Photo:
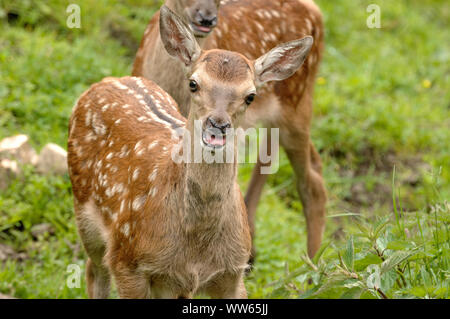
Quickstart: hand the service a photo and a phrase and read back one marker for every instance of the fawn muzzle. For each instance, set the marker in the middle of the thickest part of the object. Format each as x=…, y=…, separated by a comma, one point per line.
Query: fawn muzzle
x=204, y=21
x=215, y=132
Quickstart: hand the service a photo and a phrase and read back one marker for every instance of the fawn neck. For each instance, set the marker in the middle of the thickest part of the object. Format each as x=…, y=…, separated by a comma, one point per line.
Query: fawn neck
x=209, y=187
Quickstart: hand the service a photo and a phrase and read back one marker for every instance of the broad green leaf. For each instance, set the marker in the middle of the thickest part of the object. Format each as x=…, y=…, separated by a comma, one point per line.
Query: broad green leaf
x=334, y=280
x=315, y=278
x=374, y=279
x=388, y=280
x=399, y=245
x=355, y=284
x=395, y=259
x=382, y=243
x=353, y=293
x=302, y=278
x=417, y=292
x=441, y=292
x=368, y=259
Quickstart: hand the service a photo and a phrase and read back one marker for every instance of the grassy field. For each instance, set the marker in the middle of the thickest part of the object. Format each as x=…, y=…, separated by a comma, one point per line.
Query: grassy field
x=382, y=126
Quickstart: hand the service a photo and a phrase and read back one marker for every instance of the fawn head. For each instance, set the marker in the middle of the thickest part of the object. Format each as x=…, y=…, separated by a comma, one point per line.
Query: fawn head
x=201, y=15
x=222, y=83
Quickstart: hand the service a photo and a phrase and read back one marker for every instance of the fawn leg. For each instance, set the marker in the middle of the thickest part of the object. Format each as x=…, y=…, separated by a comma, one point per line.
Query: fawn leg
x=311, y=189
x=228, y=286
x=98, y=280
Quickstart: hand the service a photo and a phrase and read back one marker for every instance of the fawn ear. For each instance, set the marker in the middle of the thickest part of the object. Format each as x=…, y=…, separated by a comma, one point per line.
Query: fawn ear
x=282, y=61
x=177, y=37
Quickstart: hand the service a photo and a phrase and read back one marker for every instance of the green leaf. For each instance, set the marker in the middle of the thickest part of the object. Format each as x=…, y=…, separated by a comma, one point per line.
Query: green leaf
x=417, y=292
x=365, y=231
x=349, y=254
x=368, y=259
x=388, y=280
x=425, y=277
x=353, y=293
x=280, y=293
x=395, y=259
x=399, y=245
x=380, y=226
x=355, y=284
x=382, y=243
x=335, y=280
x=320, y=252
x=374, y=278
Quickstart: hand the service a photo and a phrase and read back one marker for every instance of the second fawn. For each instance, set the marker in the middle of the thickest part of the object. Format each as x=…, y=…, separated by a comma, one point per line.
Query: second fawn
x=253, y=27
x=164, y=229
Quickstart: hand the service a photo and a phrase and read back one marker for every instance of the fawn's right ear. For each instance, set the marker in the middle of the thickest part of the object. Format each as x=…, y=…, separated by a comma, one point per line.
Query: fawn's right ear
x=177, y=37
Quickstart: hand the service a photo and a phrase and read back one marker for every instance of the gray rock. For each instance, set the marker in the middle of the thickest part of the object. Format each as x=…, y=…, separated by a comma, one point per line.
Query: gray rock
x=52, y=160
x=41, y=229
x=9, y=170
x=18, y=148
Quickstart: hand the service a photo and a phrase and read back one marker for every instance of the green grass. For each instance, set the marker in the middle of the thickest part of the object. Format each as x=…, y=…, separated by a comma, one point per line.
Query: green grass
x=382, y=101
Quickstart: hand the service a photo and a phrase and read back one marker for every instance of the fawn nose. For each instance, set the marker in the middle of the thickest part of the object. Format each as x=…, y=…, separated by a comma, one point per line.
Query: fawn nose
x=219, y=124
x=206, y=19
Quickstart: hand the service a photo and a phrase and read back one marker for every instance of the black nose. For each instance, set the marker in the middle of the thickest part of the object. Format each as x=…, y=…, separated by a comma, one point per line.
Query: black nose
x=222, y=126
x=206, y=20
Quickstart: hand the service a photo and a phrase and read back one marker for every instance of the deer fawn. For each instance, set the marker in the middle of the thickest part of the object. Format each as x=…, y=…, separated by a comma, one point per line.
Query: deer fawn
x=165, y=229
x=252, y=27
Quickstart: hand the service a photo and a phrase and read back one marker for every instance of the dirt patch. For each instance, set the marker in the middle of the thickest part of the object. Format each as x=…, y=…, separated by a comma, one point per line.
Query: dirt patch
x=366, y=183
x=373, y=180
x=8, y=253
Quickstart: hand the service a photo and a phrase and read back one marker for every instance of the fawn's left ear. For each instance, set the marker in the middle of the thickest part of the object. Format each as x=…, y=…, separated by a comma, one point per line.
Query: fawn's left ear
x=282, y=61
x=177, y=37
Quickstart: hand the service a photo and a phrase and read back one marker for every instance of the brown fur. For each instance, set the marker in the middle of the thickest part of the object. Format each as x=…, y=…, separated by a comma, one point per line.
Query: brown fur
x=158, y=227
x=226, y=67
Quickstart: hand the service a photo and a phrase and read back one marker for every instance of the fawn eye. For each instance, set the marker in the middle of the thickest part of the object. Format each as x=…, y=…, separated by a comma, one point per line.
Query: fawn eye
x=193, y=86
x=249, y=99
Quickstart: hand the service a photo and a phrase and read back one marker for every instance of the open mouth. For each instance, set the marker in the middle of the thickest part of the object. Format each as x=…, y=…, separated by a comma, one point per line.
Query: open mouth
x=214, y=140
x=201, y=30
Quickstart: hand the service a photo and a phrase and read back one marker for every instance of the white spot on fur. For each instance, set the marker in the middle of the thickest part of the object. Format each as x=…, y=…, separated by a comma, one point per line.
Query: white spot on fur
x=126, y=229
x=153, y=175
x=138, y=202
x=135, y=174
x=88, y=117
x=117, y=188
x=152, y=145
x=153, y=192
x=124, y=151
